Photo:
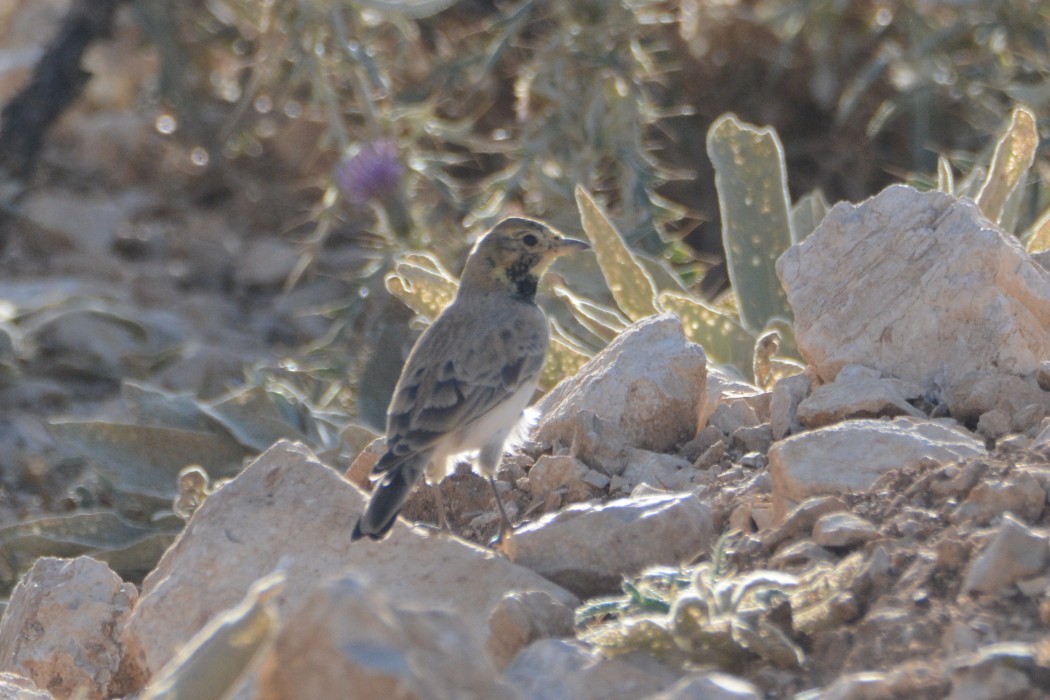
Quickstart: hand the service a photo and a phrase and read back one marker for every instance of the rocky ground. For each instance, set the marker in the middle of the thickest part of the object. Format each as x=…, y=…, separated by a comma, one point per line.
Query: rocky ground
x=894, y=494
x=889, y=502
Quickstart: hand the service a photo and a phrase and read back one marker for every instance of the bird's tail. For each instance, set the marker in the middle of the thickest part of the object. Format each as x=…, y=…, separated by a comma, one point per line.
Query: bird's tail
x=388, y=497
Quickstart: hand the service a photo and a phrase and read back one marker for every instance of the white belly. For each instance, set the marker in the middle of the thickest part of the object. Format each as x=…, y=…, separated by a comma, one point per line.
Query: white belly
x=495, y=425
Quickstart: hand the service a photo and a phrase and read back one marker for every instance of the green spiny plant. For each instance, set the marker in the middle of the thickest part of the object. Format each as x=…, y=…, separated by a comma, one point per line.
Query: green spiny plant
x=705, y=614
x=640, y=286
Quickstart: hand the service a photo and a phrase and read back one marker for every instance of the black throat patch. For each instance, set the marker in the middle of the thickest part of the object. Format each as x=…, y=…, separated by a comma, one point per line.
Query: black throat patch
x=525, y=287
x=521, y=277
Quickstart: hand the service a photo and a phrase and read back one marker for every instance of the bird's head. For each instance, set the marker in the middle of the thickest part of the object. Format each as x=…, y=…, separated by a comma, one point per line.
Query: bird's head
x=513, y=256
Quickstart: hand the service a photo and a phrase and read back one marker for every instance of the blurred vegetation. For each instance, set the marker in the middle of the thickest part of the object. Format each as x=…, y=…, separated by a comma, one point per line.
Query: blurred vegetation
x=497, y=106
x=667, y=131
x=594, y=93
x=438, y=117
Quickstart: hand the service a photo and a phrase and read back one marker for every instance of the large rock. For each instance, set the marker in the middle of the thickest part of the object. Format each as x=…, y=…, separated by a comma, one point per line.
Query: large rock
x=1000, y=671
x=522, y=618
x=62, y=627
x=852, y=455
x=288, y=509
x=1021, y=494
x=919, y=286
x=724, y=386
x=552, y=472
x=660, y=471
x=857, y=396
x=346, y=639
x=865, y=685
x=648, y=385
x=710, y=685
x=1015, y=553
x=787, y=395
x=14, y=687
x=982, y=392
x=843, y=530
x=554, y=669
x=590, y=548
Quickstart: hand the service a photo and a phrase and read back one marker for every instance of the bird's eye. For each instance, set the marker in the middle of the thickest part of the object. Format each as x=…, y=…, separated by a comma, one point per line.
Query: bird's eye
x=530, y=239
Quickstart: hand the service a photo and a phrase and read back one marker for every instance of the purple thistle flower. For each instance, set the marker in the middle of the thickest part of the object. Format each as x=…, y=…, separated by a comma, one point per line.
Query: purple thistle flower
x=373, y=172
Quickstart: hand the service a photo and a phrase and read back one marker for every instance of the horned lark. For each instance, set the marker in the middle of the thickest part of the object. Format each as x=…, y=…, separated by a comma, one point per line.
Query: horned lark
x=471, y=374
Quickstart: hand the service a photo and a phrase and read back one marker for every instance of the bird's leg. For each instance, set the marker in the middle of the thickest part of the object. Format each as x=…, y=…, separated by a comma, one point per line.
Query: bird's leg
x=488, y=460
x=440, y=505
x=505, y=528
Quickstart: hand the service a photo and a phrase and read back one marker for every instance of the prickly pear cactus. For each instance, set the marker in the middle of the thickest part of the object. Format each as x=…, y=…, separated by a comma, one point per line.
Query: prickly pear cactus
x=756, y=215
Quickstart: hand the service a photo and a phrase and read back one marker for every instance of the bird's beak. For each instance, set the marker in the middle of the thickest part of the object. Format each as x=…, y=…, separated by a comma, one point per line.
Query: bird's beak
x=563, y=246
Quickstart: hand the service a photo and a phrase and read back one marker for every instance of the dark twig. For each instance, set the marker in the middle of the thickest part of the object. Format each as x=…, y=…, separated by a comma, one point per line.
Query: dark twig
x=56, y=82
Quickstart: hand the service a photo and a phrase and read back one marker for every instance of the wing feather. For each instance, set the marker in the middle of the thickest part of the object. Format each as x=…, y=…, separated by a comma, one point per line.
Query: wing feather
x=463, y=366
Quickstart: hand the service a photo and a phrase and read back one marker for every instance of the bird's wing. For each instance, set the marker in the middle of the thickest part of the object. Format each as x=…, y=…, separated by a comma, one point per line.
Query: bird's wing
x=461, y=369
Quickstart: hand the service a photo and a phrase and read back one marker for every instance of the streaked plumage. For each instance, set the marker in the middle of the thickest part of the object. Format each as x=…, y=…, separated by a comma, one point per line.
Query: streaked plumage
x=471, y=374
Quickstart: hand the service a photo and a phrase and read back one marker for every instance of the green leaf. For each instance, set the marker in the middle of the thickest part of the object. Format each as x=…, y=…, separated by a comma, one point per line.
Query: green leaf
x=147, y=459
x=562, y=362
x=152, y=406
x=421, y=284
x=630, y=284
x=599, y=607
x=10, y=350
x=661, y=274
x=1014, y=154
x=99, y=342
x=380, y=374
x=600, y=320
x=788, y=346
x=807, y=214
x=253, y=417
x=945, y=176
x=770, y=643
x=91, y=530
x=756, y=581
x=722, y=337
x=67, y=536
x=134, y=560
x=1037, y=239
x=751, y=179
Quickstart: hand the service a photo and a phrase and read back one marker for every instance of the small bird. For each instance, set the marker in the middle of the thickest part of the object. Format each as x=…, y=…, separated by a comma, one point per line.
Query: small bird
x=471, y=374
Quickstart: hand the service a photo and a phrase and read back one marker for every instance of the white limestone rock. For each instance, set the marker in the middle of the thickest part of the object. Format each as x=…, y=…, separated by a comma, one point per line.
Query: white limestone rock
x=649, y=385
x=918, y=285
x=711, y=685
x=62, y=627
x=788, y=394
x=554, y=669
x=852, y=455
x=843, y=530
x=858, y=397
x=589, y=548
x=1016, y=552
x=346, y=636
x=287, y=509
